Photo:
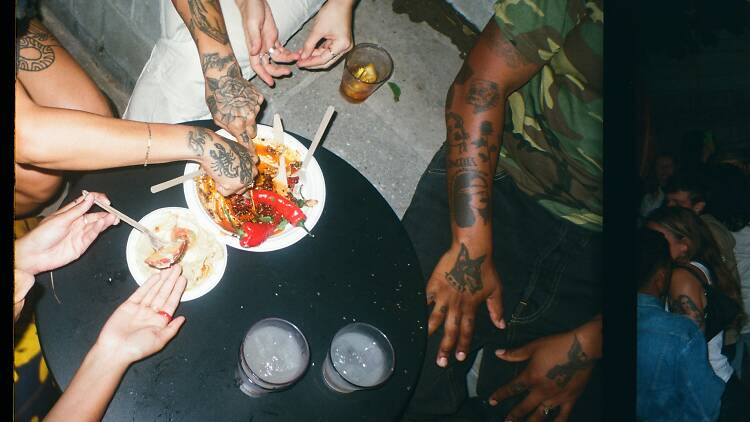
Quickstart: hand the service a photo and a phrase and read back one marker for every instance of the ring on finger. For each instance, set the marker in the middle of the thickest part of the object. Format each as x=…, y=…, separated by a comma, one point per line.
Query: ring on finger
x=271, y=51
x=85, y=221
x=166, y=315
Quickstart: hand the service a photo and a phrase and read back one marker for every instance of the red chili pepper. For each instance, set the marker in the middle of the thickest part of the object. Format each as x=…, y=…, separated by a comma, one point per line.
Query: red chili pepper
x=281, y=205
x=253, y=234
x=291, y=181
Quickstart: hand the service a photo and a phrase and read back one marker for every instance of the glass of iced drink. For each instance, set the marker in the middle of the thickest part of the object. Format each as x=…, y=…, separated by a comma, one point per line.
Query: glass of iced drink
x=366, y=68
x=273, y=355
x=361, y=357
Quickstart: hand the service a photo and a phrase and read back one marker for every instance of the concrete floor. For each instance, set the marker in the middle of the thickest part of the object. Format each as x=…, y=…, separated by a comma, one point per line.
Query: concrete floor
x=389, y=142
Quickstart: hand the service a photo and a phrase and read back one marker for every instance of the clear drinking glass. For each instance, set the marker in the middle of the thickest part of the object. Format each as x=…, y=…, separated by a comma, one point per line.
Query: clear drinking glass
x=366, y=67
x=361, y=357
x=273, y=355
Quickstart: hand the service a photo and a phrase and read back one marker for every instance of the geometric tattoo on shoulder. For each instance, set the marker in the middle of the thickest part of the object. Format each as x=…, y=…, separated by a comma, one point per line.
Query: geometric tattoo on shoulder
x=466, y=274
x=32, y=55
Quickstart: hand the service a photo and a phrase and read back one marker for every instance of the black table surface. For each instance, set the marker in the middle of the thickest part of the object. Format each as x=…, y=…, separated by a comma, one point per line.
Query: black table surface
x=360, y=266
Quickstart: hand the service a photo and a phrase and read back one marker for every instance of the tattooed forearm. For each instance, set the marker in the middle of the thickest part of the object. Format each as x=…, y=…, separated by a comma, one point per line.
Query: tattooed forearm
x=210, y=22
x=483, y=95
x=469, y=196
x=197, y=140
x=215, y=61
x=457, y=136
x=466, y=274
x=34, y=50
x=682, y=304
x=577, y=360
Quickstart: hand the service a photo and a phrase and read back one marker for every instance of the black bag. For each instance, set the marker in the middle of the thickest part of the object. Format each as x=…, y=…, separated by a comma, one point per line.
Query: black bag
x=720, y=309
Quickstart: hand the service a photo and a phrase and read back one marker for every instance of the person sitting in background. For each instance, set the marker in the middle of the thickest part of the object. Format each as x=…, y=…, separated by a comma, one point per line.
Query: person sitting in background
x=63, y=122
x=663, y=168
x=674, y=381
x=245, y=36
x=693, y=248
x=138, y=328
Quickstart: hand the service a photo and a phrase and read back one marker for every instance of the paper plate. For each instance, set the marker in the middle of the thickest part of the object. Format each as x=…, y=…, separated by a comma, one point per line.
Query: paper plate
x=311, y=184
x=136, y=252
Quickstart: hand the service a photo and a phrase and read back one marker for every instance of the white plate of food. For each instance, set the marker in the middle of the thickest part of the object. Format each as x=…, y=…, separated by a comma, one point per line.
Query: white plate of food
x=203, y=261
x=226, y=216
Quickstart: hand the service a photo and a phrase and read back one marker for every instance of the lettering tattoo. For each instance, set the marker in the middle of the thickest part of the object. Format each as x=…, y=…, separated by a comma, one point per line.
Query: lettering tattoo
x=470, y=197
x=461, y=162
x=577, y=360
x=457, y=135
x=483, y=95
x=197, y=140
x=208, y=22
x=684, y=305
x=34, y=51
x=466, y=274
x=215, y=61
x=231, y=97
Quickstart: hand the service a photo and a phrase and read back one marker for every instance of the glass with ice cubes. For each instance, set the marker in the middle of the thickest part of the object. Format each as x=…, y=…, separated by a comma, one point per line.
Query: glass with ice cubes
x=361, y=357
x=273, y=355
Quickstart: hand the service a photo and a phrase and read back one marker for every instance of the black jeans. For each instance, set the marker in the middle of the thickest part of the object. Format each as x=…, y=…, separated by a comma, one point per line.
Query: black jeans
x=552, y=282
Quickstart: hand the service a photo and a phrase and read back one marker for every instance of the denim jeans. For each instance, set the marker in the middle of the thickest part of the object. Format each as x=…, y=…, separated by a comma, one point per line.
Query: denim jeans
x=552, y=282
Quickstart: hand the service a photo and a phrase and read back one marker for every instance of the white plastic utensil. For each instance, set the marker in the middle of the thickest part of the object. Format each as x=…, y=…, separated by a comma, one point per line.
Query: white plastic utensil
x=155, y=241
x=318, y=135
x=174, y=182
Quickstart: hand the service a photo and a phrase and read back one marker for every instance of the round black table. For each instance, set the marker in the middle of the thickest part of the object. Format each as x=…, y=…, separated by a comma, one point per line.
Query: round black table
x=360, y=266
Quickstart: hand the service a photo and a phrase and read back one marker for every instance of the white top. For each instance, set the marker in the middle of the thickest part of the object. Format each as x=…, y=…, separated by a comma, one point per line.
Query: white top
x=170, y=88
x=742, y=256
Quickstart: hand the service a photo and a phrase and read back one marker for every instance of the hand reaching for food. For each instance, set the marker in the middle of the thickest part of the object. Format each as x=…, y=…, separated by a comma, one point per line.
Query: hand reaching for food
x=63, y=236
x=232, y=165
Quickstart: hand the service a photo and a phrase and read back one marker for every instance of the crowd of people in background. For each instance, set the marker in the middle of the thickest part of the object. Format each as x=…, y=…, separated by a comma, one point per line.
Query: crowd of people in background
x=698, y=201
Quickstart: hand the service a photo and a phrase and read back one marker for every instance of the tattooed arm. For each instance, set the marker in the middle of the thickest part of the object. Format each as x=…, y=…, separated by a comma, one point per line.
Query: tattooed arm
x=557, y=372
x=465, y=275
x=686, y=296
x=233, y=101
x=60, y=139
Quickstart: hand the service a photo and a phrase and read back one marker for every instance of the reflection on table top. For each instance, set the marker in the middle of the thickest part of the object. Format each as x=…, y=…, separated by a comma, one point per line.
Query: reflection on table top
x=360, y=266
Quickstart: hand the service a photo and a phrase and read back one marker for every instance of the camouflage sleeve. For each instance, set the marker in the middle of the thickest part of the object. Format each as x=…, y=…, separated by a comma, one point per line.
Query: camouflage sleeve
x=537, y=28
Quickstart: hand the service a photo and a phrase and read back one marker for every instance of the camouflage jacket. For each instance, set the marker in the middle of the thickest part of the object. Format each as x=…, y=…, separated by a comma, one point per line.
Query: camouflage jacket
x=552, y=140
